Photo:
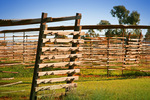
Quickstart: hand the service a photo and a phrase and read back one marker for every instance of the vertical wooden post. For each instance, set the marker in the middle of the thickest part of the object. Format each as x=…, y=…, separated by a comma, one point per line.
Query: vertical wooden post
x=39, y=51
x=76, y=28
x=126, y=47
x=91, y=51
x=123, y=51
x=13, y=46
x=139, y=43
x=108, y=41
x=23, y=47
x=4, y=44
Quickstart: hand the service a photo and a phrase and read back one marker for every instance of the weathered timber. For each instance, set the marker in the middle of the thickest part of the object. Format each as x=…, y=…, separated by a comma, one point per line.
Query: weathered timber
x=62, y=49
x=83, y=27
x=7, y=78
x=59, y=64
x=63, y=40
x=8, y=72
x=53, y=87
x=11, y=84
x=60, y=56
x=70, y=71
x=13, y=22
x=52, y=80
x=63, y=33
x=33, y=92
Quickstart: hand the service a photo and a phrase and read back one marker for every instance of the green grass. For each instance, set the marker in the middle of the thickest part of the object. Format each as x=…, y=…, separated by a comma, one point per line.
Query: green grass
x=92, y=85
x=121, y=89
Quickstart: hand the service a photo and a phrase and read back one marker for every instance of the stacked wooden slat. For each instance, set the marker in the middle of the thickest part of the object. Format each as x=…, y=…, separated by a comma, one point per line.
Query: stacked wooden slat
x=102, y=49
x=112, y=53
x=18, y=46
x=115, y=53
x=94, y=53
x=57, y=56
x=52, y=53
x=132, y=51
x=145, y=55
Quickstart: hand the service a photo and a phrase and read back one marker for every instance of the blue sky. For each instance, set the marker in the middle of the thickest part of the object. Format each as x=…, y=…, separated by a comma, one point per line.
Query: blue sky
x=92, y=10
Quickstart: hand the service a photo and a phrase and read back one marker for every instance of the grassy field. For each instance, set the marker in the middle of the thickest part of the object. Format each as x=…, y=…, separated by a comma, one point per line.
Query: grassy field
x=92, y=85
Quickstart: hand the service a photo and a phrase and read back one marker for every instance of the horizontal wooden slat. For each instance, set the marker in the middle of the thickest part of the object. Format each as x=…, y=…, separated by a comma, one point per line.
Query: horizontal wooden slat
x=115, y=61
x=44, y=73
x=62, y=48
x=53, y=87
x=63, y=33
x=135, y=40
x=10, y=84
x=116, y=53
x=138, y=49
x=59, y=64
x=114, y=64
x=134, y=52
x=133, y=45
x=131, y=59
x=60, y=56
x=52, y=80
x=130, y=65
x=64, y=40
x=93, y=40
x=12, y=22
x=65, y=18
x=58, y=45
x=83, y=27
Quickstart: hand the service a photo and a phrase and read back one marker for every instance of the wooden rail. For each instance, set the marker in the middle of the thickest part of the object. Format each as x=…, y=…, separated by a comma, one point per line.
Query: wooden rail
x=84, y=27
x=14, y=22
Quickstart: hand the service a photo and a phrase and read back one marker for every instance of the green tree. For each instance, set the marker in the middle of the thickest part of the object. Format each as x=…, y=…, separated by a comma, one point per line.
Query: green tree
x=104, y=22
x=147, y=36
x=125, y=17
x=90, y=33
x=133, y=18
x=121, y=13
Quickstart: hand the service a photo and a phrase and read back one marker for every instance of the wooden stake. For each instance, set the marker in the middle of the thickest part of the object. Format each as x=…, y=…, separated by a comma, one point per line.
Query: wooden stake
x=108, y=55
x=33, y=93
x=23, y=46
x=123, y=50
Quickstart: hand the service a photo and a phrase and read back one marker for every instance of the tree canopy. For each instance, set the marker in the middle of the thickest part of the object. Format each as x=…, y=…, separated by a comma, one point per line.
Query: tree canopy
x=124, y=16
x=147, y=36
x=121, y=13
x=104, y=22
x=133, y=18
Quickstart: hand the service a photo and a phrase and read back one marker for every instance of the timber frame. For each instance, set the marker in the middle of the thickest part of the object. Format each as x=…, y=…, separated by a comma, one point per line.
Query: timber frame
x=73, y=57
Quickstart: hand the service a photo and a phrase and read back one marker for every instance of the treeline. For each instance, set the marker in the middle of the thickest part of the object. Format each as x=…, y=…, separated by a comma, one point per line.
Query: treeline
x=124, y=18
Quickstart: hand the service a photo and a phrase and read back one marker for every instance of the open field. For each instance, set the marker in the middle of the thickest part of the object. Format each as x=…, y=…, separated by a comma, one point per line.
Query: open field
x=92, y=84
